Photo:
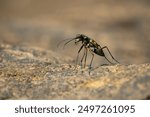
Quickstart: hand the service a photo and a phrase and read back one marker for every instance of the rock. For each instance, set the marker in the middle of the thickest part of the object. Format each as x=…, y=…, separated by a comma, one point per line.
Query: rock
x=33, y=73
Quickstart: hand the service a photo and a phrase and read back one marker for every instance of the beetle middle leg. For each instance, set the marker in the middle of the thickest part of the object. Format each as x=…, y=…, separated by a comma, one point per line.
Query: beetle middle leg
x=85, y=57
x=82, y=57
x=91, y=59
x=78, y=55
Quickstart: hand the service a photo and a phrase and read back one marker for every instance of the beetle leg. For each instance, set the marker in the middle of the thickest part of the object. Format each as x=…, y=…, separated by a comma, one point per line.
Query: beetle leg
x=109, y=53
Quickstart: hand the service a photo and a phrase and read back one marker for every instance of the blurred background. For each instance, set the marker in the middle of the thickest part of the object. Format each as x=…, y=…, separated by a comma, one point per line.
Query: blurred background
x=121, y=25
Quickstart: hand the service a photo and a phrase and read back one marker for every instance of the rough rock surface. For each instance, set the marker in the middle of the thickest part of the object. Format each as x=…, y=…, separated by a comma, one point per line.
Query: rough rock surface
x=33, y=73
x=32, y=67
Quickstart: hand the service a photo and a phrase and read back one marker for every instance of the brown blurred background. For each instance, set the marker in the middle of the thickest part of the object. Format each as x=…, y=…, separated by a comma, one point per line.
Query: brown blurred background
x=122, y=25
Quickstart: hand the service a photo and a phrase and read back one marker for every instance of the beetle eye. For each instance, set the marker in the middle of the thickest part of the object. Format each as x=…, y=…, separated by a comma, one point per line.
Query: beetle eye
x=77, y=40
x=85, y=37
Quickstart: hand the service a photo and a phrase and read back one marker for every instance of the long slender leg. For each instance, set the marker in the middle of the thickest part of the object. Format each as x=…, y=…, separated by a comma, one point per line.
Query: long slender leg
x=109, y=53
x=91, y=59
x=85, y=57
x=108, y=60
x=78, y=53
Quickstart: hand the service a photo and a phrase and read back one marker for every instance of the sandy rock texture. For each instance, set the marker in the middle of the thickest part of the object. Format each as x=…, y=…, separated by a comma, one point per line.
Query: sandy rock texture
x=33, y=67
x=34, y=73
